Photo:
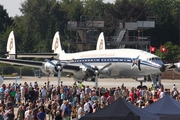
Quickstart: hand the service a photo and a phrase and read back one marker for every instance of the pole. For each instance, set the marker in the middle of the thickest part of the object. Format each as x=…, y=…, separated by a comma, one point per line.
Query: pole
x=39, y=74
x=2, y=71
x=20, y=72
x=179, y=24
x=16, y=81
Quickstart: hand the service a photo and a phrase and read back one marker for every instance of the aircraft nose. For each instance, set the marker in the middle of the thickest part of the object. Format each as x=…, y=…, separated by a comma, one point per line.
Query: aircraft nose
x=162, y=68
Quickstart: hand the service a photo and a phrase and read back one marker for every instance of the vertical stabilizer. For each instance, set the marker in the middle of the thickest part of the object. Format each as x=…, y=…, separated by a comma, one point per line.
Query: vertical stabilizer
x=11, y=47
x=101, y=42
x=56, y=44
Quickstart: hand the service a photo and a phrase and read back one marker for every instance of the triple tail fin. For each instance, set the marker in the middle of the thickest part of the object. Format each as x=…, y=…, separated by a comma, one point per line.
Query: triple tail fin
x=56, y=44
x=101, y=42
x=11, y=46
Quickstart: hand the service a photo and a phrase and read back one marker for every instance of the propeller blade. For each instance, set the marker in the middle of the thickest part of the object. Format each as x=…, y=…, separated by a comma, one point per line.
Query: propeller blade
x=47, y=60
x=96, y=81
x=88, y=67
x=170, y=66
x=139, y=67
x=105, y=66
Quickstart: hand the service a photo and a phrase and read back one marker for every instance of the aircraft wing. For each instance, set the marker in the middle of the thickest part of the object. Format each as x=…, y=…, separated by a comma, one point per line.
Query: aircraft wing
x=29, y=63
x=35, y=55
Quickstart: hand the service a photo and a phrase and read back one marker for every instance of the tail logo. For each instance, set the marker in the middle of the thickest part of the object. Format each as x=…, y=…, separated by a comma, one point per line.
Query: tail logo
x=11, y=44
x=56, y=44
x=101, y=45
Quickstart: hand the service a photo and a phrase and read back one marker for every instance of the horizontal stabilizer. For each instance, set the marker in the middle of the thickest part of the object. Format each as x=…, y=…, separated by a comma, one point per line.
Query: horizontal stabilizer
x=36, y=55
x=29, y=63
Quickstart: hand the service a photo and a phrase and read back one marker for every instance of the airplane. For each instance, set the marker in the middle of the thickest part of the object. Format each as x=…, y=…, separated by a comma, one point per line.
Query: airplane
x=89, y=65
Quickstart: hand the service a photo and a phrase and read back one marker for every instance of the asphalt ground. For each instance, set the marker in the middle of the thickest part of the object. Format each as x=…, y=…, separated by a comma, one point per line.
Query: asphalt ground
x=106, y=82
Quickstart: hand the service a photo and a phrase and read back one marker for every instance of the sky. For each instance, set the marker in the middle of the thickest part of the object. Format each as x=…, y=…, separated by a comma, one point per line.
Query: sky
x=12, y=6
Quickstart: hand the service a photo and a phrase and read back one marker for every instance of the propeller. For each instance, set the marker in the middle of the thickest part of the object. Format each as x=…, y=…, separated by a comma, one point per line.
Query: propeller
x=59, y=67
x=139, y=67
x=136, y=62
x=96, y=71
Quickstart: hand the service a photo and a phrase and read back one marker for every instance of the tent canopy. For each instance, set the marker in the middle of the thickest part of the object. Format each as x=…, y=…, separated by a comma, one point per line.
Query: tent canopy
x=167, y=108
x=118, y=110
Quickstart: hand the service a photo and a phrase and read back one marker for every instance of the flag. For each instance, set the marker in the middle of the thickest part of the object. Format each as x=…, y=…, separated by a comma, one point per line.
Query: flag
x=152, y=49
x=163, y=49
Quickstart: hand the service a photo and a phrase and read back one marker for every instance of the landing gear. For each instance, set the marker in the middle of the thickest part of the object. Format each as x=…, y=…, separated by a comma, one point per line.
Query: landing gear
x=141, y=83
x=141, y=80
x=156, y=79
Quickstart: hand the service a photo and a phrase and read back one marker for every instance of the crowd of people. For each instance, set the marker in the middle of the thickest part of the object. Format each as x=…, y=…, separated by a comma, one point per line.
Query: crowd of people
x=49, y=102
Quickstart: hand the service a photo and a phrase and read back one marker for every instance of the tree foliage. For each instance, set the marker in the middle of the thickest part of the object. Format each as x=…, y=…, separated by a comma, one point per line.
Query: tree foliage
x=172, y=54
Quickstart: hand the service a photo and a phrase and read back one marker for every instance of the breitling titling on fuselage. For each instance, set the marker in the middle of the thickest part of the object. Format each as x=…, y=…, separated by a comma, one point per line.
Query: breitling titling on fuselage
x=106, y=62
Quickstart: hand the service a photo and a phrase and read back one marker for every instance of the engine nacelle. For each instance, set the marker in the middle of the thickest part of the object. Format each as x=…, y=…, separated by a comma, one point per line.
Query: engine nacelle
x=177, y=68
x=49, y=69
x=86, y=72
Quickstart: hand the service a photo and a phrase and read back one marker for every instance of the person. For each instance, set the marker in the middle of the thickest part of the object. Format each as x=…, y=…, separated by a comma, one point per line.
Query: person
x=20, y=113
x=41, y=115
x=35, y=112
x=49, y=108
x=73, y=112
x=9, y=114
x=29, y=116
x=2, y=92
x=1, y=113
x=66, y=112
x=81, y=112
x=18, y=97
x=12, y=94
x=58, y=116
x=43, y=93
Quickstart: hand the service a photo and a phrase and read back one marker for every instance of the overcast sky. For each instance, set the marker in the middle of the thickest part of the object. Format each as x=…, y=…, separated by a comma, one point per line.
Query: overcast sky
x=12, y=6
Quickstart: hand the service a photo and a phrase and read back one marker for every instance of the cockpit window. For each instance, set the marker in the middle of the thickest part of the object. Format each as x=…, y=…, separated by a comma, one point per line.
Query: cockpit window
x=153, y=58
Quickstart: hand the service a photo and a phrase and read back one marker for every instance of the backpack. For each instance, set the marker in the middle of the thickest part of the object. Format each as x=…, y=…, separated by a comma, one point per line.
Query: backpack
x=135, y=96
x=90, y=108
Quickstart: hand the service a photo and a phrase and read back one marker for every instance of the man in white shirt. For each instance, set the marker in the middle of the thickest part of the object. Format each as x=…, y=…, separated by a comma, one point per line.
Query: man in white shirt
x=86, y=107
x=27, y=111
x=162, y=94
x=81, y=112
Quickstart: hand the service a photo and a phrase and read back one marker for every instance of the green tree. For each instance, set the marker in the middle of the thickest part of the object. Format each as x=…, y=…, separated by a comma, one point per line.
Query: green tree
x=73, y=8
x=125, y=11
x=40, y=21
x=5, y=27
x=5, y=20
x=166, y=28
x=172, y=54
x=94, y=9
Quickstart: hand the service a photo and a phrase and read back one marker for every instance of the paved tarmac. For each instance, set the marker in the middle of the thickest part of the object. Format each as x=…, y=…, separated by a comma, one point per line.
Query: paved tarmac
x=106, y=82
